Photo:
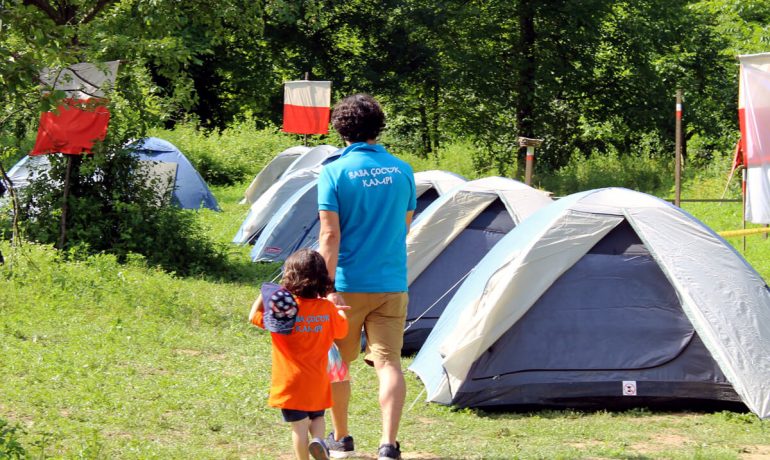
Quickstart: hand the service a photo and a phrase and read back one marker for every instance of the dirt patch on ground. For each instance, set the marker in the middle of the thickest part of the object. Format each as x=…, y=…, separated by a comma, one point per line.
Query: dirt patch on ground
x=760, y=452
x=585, y=444
x=660, y=442
x=187, y=352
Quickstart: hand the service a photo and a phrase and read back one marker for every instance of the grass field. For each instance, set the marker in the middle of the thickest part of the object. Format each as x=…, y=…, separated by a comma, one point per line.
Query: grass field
x=107, y=360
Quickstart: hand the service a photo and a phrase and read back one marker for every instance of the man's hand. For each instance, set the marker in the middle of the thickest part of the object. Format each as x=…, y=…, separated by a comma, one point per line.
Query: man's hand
x=338, y=301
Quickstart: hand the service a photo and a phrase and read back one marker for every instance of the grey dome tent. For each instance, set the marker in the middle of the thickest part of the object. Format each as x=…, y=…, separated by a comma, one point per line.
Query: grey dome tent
x=295, y=224
x=162, y=159
x=451, y=236
x=608, y=298
x=272, y=171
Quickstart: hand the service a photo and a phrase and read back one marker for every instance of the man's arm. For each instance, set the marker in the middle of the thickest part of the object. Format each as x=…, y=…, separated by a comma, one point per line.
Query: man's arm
x=409, y=215
x=329, y=247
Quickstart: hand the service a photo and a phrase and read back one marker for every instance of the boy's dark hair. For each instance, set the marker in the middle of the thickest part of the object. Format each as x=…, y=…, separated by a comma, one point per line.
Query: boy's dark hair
x=358, y=118
x=305, y=274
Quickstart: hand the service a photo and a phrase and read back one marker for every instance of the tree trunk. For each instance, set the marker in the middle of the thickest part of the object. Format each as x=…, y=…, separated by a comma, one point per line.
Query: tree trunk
x=525, y=76
x=436, y=116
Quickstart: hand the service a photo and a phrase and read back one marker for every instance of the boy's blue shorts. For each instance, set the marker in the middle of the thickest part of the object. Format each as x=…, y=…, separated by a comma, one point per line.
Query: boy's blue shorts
x=291, y=415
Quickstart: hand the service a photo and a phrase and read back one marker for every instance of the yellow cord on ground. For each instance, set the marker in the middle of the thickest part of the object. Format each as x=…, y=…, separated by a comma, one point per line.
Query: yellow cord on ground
x=748, y=231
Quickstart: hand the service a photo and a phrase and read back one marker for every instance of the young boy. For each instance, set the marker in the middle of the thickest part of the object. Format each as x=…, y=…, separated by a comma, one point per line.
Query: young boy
x=300, y=382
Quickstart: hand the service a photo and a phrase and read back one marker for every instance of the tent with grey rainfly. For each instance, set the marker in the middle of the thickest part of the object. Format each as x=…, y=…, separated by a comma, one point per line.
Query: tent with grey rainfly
x=450, y=236
x=295, y=224
x=608, y=298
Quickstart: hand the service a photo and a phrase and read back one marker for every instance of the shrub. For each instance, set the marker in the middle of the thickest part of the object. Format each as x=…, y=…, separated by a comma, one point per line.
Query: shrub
x=638, y=171
x=10, y=446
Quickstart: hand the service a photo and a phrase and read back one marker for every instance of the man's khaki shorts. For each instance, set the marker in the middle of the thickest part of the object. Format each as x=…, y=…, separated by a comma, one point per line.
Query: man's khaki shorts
x=382, y=315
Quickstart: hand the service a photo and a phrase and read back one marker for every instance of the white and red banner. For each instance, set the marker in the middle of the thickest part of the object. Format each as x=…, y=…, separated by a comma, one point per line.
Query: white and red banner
x=306, y=106
x=754, y=117
x=82, y=117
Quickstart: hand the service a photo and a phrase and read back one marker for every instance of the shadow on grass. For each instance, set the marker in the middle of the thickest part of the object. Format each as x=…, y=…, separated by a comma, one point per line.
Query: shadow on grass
x=639, y=410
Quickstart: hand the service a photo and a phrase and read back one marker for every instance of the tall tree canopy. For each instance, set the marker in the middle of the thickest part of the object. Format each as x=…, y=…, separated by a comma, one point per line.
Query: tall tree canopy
x=584, y=75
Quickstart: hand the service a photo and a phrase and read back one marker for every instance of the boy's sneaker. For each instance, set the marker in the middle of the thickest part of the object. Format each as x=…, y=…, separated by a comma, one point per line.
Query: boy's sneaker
x=340, y=449
x=318, y=449
x=389, y=452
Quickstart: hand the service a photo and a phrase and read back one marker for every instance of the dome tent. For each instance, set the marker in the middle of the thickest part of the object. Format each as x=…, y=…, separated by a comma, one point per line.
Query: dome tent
x=272, y=171
x=161, y=158
x=451, y=236
x=604, y=298
x=295, y=224
x=190, y=190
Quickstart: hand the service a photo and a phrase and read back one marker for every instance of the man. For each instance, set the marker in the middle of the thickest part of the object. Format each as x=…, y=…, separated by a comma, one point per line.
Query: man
x=366, y=199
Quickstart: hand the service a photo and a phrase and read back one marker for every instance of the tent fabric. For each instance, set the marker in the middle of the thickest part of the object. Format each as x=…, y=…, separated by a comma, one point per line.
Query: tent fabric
x=266, y=206
x=160, y=156
x=443, y=220
x=725, y=301
x=451, y=236
x=295, y=224
x=754, y=117
x=190, y=190
x=272, y=172
x=314, y=157
x=27, y=169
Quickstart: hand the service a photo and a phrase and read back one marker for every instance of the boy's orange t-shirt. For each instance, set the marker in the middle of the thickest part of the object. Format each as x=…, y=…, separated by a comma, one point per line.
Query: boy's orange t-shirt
x=300, y=380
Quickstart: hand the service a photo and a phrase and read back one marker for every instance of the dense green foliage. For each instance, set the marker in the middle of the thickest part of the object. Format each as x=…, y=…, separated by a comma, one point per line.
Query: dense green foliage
x=584, y=76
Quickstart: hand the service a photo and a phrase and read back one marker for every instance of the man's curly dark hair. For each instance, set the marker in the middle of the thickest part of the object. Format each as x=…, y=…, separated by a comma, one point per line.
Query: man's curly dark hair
x=358, y=118
x=305, y=274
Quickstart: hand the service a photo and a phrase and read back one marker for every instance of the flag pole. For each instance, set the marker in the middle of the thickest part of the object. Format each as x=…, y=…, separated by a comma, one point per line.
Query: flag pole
x=64, y=207
x=678, y=150
x=304, y=141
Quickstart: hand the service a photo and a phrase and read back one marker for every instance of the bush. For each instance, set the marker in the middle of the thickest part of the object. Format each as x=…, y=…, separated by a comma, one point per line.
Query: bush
x=10, y=447
x=639, y=172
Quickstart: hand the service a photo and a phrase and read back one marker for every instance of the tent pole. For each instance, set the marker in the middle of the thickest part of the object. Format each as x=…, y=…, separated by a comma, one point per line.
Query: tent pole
x=64, y=207
x=743, y=214
x=678, y=150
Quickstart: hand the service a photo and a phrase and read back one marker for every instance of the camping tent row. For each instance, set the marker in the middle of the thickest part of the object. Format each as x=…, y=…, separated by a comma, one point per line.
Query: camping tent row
x=164, y=162
x=608, y=297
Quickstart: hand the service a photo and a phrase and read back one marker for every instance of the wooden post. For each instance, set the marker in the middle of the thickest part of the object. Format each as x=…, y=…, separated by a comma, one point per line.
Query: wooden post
x=530, y=144
x=64, y=207
x=678, y=150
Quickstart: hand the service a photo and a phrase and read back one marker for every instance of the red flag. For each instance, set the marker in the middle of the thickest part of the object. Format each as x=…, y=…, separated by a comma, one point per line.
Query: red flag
x=306, y=107
x=73, y=128
x=82, y=118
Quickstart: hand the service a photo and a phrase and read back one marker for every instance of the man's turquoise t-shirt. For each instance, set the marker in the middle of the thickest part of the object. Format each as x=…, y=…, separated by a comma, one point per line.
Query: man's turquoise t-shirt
x=371, y=191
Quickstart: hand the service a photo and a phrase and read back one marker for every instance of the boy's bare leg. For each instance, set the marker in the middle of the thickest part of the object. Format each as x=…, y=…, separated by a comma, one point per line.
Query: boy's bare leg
x=299, y=438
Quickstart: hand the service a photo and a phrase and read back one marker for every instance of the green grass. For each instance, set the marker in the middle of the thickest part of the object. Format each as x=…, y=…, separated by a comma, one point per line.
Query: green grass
x=103, y=360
